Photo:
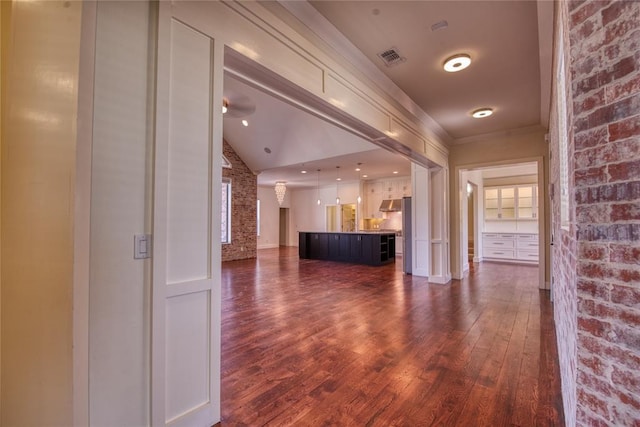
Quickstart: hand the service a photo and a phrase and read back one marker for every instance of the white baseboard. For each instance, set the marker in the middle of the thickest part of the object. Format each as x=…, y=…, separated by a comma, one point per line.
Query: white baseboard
x=441, y=280
x=477, y=259
x=268, y=246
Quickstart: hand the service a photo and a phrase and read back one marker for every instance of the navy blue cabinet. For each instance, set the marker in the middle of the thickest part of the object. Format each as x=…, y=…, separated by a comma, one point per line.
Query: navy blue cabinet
x=360, y=248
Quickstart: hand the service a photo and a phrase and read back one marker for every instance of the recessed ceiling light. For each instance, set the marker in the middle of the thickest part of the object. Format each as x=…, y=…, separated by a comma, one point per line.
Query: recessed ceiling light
x=365, y=176
x=245, y=123
x=338, y=179
x=303, y=171
x=395, y=172
x=357, y=169
x=482, y=112
x=457, y=62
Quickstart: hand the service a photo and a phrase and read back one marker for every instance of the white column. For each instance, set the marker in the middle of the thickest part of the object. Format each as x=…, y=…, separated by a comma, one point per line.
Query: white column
x=440, y=271
x=420, y=221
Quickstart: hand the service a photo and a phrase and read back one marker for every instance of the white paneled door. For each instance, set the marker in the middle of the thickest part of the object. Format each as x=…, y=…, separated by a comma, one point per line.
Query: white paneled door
x=185, y=355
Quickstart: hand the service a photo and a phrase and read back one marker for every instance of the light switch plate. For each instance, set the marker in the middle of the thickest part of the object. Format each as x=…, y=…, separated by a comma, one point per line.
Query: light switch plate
x=141, y=246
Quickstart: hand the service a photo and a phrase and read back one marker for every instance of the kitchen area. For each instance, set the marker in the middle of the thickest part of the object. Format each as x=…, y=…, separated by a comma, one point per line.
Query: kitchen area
x=373, y=231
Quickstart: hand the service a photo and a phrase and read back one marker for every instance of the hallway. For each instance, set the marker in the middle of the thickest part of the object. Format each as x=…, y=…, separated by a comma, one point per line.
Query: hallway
x=320, y=343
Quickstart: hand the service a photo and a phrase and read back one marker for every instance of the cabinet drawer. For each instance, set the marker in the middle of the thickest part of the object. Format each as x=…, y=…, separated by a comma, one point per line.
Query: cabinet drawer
x=528, y=245
x=499, y=253
x=528, y=237
x=495, y=243
x=527, y=255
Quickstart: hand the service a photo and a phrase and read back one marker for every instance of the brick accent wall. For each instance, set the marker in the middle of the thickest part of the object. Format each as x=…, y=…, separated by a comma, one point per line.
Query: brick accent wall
x=563, y=252
x=597, y=260
x=244, y=195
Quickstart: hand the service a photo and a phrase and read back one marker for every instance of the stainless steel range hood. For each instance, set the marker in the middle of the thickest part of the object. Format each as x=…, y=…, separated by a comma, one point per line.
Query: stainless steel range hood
x=391, y=205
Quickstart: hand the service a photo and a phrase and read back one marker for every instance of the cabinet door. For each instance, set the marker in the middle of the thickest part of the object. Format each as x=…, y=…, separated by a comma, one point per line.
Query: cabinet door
x=334, y=246
x=318, y=246
x=355, y=247
x=507, y=203
x=491, y=203
x=526, y=203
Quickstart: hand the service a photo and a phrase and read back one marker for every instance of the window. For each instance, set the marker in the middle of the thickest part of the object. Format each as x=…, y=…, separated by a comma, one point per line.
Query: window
x=226, y=211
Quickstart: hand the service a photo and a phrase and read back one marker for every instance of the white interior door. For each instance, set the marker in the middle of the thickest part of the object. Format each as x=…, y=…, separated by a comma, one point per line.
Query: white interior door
x=185, y=355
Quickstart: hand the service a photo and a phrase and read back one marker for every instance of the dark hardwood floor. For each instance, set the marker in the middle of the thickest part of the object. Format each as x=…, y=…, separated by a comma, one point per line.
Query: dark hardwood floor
x=315, y=343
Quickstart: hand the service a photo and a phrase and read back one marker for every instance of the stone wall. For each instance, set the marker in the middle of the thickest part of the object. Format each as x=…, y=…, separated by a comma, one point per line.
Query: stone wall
x=597, y=259
x=244, y=195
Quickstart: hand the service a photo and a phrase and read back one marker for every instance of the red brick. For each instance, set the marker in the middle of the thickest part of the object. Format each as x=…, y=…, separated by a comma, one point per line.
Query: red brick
x=584, y=177
x=592, y=308
x=624, y=171
x=580, y=15
x=602, y=78
x=622, y=26
x=594, y=403
x=609, y=233
x=616, y=192
x=575, y=4
x=609, y=350
x=625, y=337
x=625, y=254
x=629, y=380
x=591, y=270
x=628, y=316
x=621, y=90
x=586, y=214
x=616, y=10
x=624, y=46
x=590, y=379
x=625, y=128
x=625, y=275
x=619, y=110
x=593, y=251
x=586, y=418
x=590, y=102
x=594, y=327
x=591, y=138
x=625, y=295
x=244, y=196
x=625, y=212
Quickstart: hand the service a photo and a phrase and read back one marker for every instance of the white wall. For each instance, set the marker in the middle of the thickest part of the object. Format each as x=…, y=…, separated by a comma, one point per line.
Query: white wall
x=269, y=216
x=119, y=285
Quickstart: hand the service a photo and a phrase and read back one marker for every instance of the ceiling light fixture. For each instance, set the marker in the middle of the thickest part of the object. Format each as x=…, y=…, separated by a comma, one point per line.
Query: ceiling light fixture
x=225, y=106
x=457, y=62
x=281, y=189
x=303, y=171
x=482, y=113
x=245, y=123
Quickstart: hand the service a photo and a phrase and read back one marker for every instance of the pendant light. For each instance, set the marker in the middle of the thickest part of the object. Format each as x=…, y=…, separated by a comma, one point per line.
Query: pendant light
x=337, y=189
x=318, y=185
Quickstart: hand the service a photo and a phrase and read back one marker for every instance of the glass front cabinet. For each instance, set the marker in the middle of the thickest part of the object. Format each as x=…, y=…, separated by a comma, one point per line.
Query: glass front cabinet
x=511, y=202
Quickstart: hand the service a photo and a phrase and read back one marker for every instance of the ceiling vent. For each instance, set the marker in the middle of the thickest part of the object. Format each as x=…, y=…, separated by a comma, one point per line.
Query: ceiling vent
x=391, y=57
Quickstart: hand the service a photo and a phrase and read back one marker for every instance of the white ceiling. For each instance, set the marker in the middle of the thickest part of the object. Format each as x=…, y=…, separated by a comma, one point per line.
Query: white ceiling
x=502, y=38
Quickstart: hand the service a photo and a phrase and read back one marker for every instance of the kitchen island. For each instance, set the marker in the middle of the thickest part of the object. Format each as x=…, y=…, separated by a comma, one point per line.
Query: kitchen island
x=371, y=248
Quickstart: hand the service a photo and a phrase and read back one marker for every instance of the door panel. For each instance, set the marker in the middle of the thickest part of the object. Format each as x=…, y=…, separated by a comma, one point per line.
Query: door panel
x=186, y=263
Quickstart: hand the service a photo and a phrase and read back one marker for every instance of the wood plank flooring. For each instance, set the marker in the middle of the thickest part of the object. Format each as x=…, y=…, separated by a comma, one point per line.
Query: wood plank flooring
x=317, y=343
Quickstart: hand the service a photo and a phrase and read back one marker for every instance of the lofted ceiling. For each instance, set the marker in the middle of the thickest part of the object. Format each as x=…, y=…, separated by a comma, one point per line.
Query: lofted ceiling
x=509, y=43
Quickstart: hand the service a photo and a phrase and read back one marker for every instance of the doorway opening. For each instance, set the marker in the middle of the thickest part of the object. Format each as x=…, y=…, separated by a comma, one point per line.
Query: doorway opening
x=284, y=227
x=502, y=215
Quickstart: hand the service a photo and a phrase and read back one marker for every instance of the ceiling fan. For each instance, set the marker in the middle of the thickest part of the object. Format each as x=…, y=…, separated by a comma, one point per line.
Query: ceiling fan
x=237, y=105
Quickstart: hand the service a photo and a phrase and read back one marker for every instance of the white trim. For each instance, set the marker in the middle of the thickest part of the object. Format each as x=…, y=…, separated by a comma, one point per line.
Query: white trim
x=268, y=246
x=324, y=29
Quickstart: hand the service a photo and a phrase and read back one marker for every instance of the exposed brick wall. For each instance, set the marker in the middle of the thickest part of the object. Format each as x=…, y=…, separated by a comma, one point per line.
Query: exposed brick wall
x=563, y=253
x=601, y=248
x=244, y=195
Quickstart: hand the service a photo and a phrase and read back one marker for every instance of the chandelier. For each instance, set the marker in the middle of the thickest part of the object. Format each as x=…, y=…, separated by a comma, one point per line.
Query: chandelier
x=281, y=189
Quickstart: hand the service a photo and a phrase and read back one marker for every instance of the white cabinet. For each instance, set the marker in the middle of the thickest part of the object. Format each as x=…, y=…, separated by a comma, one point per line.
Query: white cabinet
x=510, y=247
x=511, y=202
x=379, y=190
